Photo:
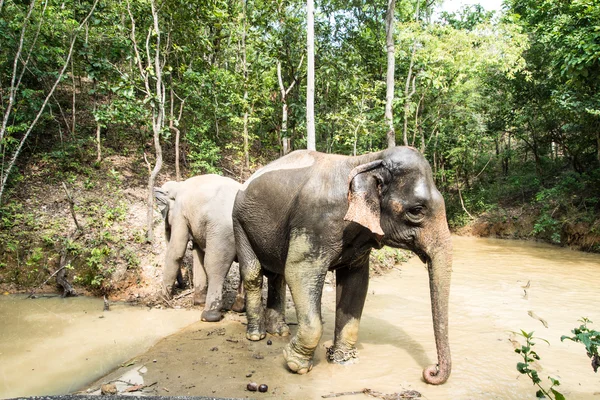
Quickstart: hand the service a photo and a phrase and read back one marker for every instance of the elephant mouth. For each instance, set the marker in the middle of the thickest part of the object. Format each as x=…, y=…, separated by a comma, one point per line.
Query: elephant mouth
x=422, y=256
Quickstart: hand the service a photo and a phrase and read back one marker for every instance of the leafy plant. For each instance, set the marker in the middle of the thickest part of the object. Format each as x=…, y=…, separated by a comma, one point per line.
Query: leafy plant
x=589, y=338
x=524, y=367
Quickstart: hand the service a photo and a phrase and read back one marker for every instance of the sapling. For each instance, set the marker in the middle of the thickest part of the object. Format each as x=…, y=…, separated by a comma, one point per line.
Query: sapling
x=590, y=339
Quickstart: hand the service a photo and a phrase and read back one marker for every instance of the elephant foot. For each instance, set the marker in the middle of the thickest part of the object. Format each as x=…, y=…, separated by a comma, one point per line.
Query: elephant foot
x=255, y=335
x=342, y=356
x=211, y=315
x=295, y=362
x=239, y=305
x=276, y=324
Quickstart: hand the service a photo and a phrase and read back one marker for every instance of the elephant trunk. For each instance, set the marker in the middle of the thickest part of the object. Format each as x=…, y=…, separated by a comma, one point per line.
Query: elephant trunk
x=440, y=266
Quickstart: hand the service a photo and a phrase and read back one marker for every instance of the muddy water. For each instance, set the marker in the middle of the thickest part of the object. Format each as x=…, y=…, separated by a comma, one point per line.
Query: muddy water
x=488, y=303
x=54, y=345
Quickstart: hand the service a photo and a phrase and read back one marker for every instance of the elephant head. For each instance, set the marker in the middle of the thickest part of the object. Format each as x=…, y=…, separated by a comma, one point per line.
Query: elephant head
x=396, y=199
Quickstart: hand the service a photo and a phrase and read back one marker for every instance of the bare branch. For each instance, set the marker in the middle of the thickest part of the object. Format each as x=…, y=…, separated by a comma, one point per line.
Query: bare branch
x=13, y=87
x=48, y=96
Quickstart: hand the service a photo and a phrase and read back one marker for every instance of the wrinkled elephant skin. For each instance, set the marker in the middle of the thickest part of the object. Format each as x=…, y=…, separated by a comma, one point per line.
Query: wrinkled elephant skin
x=309, y=212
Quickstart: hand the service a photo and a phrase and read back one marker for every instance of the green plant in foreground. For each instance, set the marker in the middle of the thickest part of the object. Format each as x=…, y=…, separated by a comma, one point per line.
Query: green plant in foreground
x=524, y=368
x=590, y=339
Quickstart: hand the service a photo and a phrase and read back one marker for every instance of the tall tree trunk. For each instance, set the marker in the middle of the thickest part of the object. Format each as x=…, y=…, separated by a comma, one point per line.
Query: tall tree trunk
x=158, y=122
x=409, y=76
x=74, y=91
x=245, y=70
x=391, y=65
x=310, y=78
x=173, y=123
x=158, y=105
x=285, y=140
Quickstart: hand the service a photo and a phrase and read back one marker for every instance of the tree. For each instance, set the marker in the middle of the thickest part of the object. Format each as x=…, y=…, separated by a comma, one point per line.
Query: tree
x=154, y=89
x=17, y=75
x=391, y=68
x=310, y=79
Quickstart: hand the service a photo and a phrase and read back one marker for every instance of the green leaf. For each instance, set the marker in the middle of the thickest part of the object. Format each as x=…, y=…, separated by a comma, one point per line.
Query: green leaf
x=557, y=394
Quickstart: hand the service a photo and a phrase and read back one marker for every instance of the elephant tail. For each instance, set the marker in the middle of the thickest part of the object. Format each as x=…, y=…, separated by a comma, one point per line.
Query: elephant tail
x=162, y=201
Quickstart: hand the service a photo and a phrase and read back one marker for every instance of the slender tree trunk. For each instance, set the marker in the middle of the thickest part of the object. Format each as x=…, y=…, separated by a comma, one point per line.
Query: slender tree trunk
x=409, y=76
x=285, y=140
x=11, y=163
x=310, y=79
x=74, y=104
x=598, y=146
x=158, y=106
x=391, y=65
x=245, y=71
x=98, y=145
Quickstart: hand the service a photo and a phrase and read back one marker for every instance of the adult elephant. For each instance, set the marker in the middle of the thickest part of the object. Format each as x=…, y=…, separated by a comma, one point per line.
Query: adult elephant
x=309, y=212
x=200, y=208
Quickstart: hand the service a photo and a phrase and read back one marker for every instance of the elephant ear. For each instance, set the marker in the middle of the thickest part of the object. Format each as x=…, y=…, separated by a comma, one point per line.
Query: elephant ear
x=364, y=197
x=162, y=201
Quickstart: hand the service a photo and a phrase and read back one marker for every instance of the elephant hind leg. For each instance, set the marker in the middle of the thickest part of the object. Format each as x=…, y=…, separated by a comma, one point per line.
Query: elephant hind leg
x=216, y=263
x=239, y=305
x=275, y=313
x=252, y=276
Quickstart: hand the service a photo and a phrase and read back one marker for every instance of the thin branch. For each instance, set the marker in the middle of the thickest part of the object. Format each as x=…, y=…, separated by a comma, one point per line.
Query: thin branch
x=46, y=281
x=72, y=207
x=13, y=87
x=41, y=110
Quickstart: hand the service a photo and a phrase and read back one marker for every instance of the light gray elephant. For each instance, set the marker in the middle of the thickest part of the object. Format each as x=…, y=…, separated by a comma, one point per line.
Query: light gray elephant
x=309, y=212
x=200, y=208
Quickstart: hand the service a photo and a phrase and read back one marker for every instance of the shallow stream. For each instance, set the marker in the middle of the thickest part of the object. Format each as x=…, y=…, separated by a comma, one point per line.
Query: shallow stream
x=498, y=287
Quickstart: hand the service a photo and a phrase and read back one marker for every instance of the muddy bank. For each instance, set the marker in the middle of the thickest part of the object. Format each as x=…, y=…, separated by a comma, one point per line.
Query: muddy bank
x=520, y=224
x=499, y=287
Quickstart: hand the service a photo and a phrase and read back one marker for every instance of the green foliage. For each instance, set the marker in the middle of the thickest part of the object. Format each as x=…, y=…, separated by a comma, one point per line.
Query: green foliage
x=589, y=338
x=204, y=157
x=529, y=356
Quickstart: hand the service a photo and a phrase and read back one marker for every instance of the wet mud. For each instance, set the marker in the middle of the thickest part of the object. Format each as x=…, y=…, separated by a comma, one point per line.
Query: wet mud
x=498, y=288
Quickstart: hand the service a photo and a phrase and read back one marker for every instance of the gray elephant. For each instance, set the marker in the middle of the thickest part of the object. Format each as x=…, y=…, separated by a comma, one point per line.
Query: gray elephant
x=309, y=212
x=200, y=207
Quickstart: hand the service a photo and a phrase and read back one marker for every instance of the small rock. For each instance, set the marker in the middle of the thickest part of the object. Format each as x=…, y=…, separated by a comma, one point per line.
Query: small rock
x=214, y=349
x=108, y=389
x=252, y=386
x=269, y=342
x=248, y=375
x=154, y=360
x=258, y=356
x=263, y=388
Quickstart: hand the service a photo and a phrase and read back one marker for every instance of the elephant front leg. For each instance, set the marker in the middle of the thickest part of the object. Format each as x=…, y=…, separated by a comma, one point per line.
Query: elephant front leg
x=305, y=280
x=175, y=251
x=351, y=291
x=200, y=280
x=275, y=313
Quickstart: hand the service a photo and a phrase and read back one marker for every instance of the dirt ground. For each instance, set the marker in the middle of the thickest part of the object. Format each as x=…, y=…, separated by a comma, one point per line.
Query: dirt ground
x=498, y=288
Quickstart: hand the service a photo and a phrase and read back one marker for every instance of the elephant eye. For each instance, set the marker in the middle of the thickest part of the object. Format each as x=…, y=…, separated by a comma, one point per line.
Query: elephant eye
x=416, y=214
